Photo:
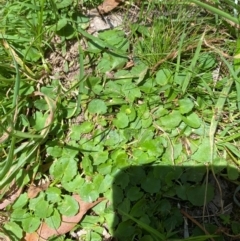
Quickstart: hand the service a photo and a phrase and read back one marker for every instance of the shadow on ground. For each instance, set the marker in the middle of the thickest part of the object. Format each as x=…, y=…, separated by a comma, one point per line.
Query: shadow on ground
x=164, y=202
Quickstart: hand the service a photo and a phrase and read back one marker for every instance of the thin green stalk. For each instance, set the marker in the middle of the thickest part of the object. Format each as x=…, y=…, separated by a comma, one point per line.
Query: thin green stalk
x=216, y=11
x=193, y=64
x=5, y=180
x=81, y=77
x=149, y=229
x=178, y=65
x=237, y=68
x=10, y=157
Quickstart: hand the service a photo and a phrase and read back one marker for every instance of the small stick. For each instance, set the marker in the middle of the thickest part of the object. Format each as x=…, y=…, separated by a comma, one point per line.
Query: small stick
x=196, y=222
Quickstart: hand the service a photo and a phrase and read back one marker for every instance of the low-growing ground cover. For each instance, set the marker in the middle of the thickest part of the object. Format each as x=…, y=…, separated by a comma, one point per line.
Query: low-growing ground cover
x=124, y=131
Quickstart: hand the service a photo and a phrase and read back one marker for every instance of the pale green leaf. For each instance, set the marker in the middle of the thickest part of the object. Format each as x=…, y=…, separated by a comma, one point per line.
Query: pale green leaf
x=15, y=230
x=68, y=206
x=30, y=224
x=54, y=221
x=185, y=105
x=163, y=76
x=192, y=120
x=97, y=106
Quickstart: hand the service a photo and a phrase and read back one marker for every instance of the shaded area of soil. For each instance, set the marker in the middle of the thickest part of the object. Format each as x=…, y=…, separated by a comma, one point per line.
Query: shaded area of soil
x=173, y=200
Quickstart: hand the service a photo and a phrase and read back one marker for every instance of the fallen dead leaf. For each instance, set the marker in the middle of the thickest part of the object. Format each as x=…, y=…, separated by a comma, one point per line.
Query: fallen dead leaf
x=68, y=223
x=34, y=190
x=10, y=195
x=108, y=5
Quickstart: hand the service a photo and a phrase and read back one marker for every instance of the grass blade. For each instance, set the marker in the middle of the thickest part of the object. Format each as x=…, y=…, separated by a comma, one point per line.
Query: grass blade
x=193, y=64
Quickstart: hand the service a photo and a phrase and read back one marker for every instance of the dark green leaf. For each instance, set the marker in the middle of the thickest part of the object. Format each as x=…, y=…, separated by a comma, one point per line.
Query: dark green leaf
x=134, y=193
x=199, y=195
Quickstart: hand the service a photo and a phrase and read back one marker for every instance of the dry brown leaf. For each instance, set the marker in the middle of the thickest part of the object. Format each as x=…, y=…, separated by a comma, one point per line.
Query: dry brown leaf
x=68, y=223
x=10, y=195
x=34, y=190
x=108, y=5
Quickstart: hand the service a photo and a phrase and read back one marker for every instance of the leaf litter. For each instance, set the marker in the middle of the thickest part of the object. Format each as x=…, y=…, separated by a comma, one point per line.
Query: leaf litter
x=67, y=223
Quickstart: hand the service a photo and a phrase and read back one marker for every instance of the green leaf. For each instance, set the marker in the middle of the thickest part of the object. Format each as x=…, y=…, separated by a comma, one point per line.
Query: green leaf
x=153, y=147
x=31, y=54
x=21, y=201
x=93, y=236
x=174, y=220
x=203, y=152
x=151, y=184
x=60, y=24
x=192, y=120
x=88, y=193
x=163, y=76
x=30, y=224
x=185, y=105
x=117, y=195
x=232, y=172
x=43, y=209
x=15, y=230
x=113, y=138
x=219, y=164
x=99, y=157
x=164, y=207
x=18, y=214
x=181, y=191
x=78, y=130
x=139, y=70
x=206, y=61
x=121, y=120
x=134, y=193
x=110, y=62
x=198, y=195
x=64, y=4
x=125, y=205
x=147, y=238
x=125, y=230
x=131, y=92
x=54, y=221
x=64, y=169
x=194, y=174
x=73, y=185
x=143, y=225
x=90, y=221
x=113, y=36
x=40, y=206
x=120, y=158
x=53, y=194
x=171, y=120
x=138, y=208
x=235, y=227
x=38, y=120
x=129, y=111
x=55, y=151
x=68, y=206
x=105, y=184
x=72, y=152
x=97, y=106
x=25, y=89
